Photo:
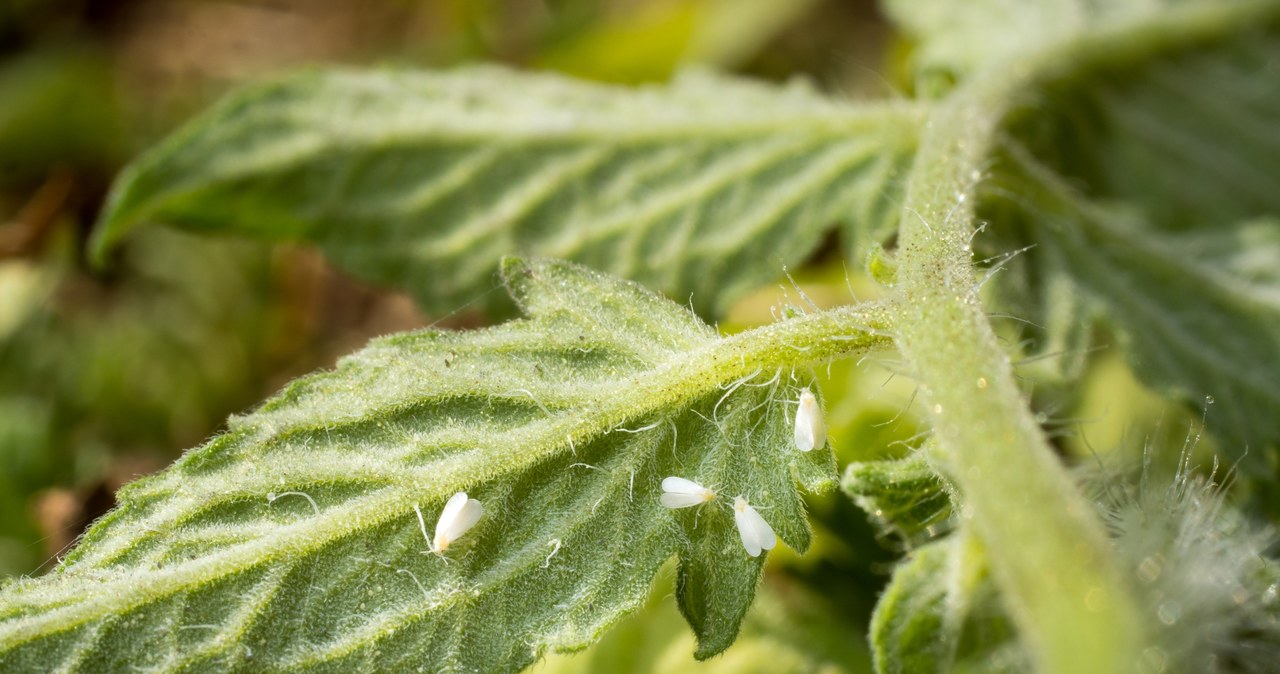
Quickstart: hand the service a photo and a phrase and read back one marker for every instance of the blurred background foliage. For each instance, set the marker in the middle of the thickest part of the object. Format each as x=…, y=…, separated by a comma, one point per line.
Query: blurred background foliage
x=105, y=376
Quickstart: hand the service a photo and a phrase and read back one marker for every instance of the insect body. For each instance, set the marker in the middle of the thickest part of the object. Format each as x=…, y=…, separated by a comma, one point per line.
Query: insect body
x=459, y=515
x=811, y=429
x=678, y=492
x=756, y=533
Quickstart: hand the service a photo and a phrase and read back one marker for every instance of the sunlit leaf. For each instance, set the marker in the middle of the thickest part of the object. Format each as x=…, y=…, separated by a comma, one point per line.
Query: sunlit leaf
x=292, y=540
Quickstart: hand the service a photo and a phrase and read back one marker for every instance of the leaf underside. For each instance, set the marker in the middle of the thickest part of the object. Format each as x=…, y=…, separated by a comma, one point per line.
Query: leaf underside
x=1166, y=224
x=956, y=40
x=291, y=542
x=702, y=189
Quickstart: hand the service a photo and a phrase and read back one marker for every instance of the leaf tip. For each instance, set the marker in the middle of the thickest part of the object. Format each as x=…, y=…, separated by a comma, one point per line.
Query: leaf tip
x=512, y=268
x=517, y=274
x=112, y=223
x=706, y=651
x=127, y=205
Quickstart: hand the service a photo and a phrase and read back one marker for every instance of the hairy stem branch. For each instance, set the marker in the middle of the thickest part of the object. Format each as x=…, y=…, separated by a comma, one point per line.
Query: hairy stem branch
x=1048, y=552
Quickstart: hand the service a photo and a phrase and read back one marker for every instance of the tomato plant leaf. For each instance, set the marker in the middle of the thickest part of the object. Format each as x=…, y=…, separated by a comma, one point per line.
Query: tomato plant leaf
x=421, y=181
x=1146, y=200
x=293, y=539
x=908, y=630
x=940, y=613
x=904, y=496
x=956, y=40
x=1197, y=312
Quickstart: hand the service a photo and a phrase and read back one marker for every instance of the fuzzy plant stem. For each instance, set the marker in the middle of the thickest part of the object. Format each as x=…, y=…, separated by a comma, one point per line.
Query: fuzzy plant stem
x=1048, y=552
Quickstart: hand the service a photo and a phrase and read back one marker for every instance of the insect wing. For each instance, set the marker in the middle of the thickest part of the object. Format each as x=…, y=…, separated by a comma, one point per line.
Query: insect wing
x=756, y=533
x=679, y=485
x=680, y=500
x=452, y=507
x=811, y=428
x=764, y=533
x=466, y=517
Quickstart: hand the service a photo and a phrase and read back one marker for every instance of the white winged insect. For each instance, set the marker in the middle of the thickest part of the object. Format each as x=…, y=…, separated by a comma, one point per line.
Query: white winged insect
x=459, y=515
x=756, y=533
x=811, y=428
x=678, y=492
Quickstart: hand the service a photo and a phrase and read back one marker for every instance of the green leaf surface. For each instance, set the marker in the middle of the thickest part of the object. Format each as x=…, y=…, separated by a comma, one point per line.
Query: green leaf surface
x=904, y=496
x=1148, y=196
x=291, y=541
x=704, y=188
x=1189, y=138
x=909, y=631
x=940, y=613
x=1197, y=312
x=955, y=39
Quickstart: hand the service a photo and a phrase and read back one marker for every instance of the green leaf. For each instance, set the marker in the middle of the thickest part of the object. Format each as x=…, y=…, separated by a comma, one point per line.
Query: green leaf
x=291, y=541
x=957, y=39
x=1188, y=138
x=908, y=630
x=421, y=181
x=1148, y=195
x=1197, y=312
x=706, y=573
x=940, y=613
x=904, y=496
